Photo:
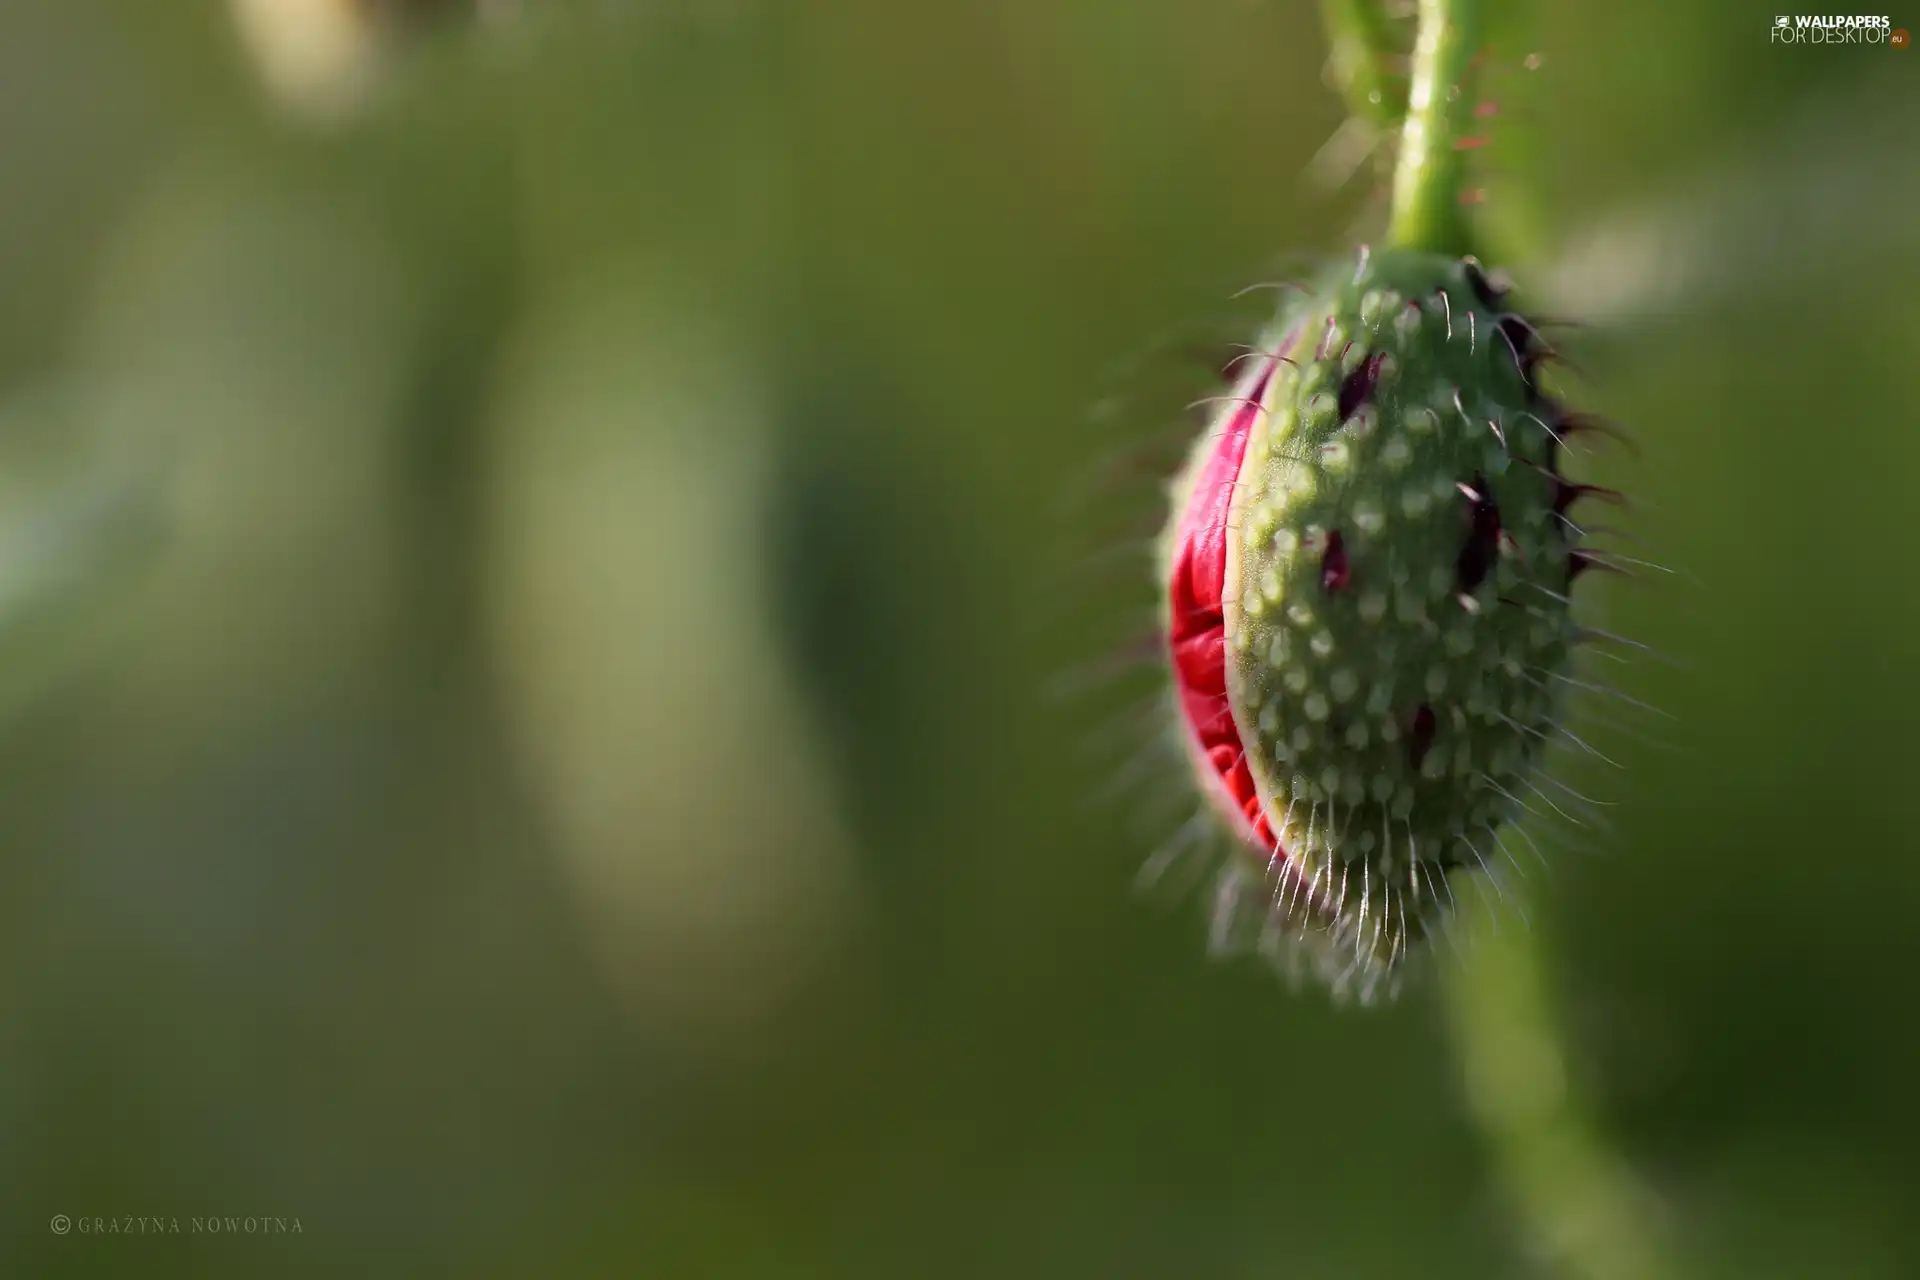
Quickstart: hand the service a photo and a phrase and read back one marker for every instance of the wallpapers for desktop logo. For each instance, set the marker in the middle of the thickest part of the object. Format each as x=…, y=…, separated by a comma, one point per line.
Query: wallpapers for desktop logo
x=1856, y=29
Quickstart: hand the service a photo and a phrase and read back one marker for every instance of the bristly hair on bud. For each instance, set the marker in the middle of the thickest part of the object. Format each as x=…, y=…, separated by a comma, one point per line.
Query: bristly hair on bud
x=1367, y=582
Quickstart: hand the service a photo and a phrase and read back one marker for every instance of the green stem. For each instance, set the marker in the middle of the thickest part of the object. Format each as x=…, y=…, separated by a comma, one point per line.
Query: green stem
x=1426, y=183
x=1360, y=39
x=1587, y=1215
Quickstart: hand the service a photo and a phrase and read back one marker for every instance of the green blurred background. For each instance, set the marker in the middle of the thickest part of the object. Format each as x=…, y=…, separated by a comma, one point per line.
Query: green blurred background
x=518, y=618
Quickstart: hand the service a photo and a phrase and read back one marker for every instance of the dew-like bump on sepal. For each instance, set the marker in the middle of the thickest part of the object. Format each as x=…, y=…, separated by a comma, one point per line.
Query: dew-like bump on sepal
x=1368, y=574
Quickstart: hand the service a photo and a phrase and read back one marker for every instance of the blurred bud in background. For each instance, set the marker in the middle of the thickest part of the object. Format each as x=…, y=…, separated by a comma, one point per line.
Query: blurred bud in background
x=314, y=54
x=629, y=464
x=253, y=333
x=77, y=523
x=321, y=57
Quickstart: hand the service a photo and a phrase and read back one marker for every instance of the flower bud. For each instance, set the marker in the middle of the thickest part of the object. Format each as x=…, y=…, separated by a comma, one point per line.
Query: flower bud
x=1368, y=578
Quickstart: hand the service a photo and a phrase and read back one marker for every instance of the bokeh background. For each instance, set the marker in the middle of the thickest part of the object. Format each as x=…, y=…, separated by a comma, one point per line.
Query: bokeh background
x=527, y=747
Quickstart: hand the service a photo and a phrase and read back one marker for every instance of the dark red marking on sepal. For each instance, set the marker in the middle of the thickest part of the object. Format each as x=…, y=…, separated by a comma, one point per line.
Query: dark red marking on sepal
x=1357, y=387
x=1485, y=292
x=1567, y=492
x=1519, y=337
x=1420, y=734
x=1483, y=536
x=1335, y=569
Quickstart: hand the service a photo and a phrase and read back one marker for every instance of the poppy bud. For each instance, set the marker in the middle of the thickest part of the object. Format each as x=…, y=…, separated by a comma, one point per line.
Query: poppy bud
x=1367, y=580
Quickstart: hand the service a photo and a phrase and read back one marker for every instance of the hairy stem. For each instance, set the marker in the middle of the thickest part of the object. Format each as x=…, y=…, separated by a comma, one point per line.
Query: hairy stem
x=1426, y=183
x=1360, y=40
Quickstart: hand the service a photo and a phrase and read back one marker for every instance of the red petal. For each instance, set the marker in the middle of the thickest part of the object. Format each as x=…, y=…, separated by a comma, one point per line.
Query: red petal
x=1197, y=623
